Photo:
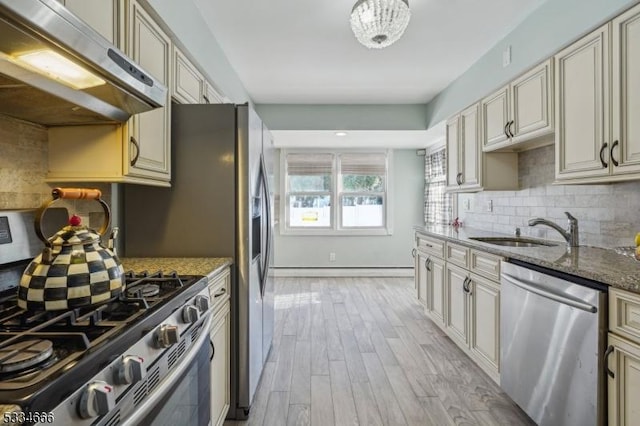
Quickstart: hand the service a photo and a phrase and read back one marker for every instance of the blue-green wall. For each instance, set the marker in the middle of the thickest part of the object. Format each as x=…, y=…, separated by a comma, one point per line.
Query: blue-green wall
x=553, y=25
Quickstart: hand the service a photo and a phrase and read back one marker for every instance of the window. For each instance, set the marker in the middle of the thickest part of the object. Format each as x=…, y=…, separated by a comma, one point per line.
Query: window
x=339, y=192
x=437, y=202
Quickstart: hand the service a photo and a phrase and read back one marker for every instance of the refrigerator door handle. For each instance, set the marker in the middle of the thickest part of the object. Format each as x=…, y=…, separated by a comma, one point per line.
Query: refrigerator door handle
x=267, y=255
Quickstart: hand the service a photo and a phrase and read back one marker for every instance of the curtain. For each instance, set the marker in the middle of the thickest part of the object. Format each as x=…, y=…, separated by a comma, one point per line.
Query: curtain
x=437, y=202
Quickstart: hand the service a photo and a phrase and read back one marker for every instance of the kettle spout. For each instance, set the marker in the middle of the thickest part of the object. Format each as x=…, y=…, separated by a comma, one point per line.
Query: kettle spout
x=111, y=244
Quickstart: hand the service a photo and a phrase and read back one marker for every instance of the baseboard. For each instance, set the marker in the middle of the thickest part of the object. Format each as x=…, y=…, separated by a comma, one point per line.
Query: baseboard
x=343, y=272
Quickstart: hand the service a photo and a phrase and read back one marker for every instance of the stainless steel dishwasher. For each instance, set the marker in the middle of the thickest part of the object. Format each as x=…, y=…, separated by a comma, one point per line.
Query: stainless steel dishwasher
x=553, y=335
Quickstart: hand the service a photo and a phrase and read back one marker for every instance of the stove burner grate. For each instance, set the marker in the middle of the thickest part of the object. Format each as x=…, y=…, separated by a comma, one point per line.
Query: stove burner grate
x=144, y=290
x=25, y=354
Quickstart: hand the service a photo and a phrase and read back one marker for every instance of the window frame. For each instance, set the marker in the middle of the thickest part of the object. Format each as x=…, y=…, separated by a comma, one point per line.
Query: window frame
x=336, y=195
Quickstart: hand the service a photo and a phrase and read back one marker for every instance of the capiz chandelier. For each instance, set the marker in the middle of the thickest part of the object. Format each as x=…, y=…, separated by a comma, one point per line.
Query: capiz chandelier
x=379, y=23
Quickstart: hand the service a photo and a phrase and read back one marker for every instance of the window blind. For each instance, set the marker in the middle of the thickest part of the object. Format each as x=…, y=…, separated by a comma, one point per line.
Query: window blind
x=309, y=164
x=363, y=164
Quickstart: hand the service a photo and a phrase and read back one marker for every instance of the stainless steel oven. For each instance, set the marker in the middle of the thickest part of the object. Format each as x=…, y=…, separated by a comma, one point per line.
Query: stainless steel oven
x=185, y=397
x=140, y=359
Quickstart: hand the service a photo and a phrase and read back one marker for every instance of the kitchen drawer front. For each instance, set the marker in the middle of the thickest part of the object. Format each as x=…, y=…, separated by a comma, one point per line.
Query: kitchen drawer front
x=624, y=314
x=458, y=255
x=220, y=288
x=485, y=264
x=429, y=245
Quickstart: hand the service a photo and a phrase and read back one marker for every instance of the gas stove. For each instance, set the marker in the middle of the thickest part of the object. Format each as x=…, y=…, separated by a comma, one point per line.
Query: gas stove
x=100, y=364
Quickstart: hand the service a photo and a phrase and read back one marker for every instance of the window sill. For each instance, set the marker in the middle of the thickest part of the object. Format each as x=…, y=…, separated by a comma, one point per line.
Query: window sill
x=336, y=233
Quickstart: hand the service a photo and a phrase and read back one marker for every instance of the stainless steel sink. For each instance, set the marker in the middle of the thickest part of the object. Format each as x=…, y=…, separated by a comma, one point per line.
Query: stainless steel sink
x=514, y=241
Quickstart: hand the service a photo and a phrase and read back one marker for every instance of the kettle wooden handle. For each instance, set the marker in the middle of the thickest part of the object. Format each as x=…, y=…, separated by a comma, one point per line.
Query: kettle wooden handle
x=76, y=193
x=72, y=194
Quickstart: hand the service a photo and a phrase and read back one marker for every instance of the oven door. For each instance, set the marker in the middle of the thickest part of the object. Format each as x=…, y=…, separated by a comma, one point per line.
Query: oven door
x=184, y=397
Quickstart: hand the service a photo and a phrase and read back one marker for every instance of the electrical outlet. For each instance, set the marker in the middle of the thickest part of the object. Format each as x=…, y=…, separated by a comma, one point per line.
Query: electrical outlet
x=490, y=205
x=467, y=204
x=332, y=257
x=506, y=56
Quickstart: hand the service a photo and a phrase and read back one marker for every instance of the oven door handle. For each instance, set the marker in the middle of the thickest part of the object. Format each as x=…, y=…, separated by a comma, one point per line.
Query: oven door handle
x=172, y=378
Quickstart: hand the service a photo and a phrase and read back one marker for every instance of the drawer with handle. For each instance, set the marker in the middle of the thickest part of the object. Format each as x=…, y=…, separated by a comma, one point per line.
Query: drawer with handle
x=485, y=264
x=430, y=245
x=624, y=313
x=219, y=288
x=457, y=254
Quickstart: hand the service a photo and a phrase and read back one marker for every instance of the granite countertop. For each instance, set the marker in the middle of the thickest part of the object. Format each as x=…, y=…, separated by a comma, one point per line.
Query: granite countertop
x=593, y=263
x=182, y=265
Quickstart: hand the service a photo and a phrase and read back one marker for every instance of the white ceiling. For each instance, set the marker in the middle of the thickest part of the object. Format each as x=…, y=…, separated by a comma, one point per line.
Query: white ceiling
x=303, y=51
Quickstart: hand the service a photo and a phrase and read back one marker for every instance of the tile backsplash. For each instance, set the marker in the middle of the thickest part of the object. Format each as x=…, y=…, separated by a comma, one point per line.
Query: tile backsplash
x=608, y=215
x=23, y=169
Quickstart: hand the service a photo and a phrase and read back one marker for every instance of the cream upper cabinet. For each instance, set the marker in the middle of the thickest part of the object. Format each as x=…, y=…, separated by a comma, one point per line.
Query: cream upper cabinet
x=520, y=111
x=188, y=83
x=625, y=148
x=138, y=151
x=468, y=168
x=532, y=103
x=211, y=95
x=150, y=132
x=495, y=116
x=582, y=107
x=101, y=15
x=463, y=150
x=598, y=138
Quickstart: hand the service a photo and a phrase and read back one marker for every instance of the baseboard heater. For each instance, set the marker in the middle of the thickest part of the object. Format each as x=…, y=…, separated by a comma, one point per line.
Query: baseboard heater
x=343, y=272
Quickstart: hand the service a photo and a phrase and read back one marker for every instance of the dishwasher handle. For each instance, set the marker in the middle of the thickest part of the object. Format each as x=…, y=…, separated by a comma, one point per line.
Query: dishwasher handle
x=533, y=288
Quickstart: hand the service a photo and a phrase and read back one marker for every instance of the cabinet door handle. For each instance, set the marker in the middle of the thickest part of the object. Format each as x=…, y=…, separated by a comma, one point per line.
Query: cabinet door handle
x=505, y=129
x=137, y=145
x=464, y=285
x=604, y=164
x=213, y=350
x=220, y=293
x=459, y=178
x=413, y=253
x=206, y=99
x=613, y=160
x=427, y=264
x=608, y=352
x=511, y=123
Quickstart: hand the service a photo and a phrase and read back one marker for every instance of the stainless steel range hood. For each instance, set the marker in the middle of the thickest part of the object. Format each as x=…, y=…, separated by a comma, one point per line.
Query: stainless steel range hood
x=122, y=88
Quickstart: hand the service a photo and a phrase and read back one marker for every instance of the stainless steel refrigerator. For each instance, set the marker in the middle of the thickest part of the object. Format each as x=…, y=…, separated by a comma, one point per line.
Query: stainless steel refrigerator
x=220, y=204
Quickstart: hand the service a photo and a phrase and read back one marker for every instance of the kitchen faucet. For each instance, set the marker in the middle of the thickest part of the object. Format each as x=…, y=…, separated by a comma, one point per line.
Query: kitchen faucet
x=570, y=235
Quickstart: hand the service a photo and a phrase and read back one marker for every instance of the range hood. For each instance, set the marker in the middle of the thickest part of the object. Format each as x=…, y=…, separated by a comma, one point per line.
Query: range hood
x=118, y=89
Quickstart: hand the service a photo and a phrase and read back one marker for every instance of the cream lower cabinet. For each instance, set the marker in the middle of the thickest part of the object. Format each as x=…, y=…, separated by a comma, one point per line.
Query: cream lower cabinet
x=422, y=270
x=622, y=362
x=456, y=299
x=462, y=288
x=220, y=365
x=436, y=291
x=138, y=151
x=220, y=335
x=484, y=321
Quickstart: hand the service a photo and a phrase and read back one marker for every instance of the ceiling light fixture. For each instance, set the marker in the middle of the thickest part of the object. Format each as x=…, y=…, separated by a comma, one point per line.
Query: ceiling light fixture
x=341, y=133
x=379, y=23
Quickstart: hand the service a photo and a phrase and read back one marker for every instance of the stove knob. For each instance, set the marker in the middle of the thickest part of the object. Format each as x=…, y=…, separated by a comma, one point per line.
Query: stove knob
x=130, y=370
x=167, y=335
x=97, y=399
x=202, y=302
x=190, y=314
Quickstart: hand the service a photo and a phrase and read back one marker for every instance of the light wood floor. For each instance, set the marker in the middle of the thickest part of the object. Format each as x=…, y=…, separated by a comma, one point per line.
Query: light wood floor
x=351, y=351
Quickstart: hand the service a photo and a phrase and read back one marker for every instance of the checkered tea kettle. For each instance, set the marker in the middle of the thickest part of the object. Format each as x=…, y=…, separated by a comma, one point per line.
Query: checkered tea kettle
x=74, y=269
